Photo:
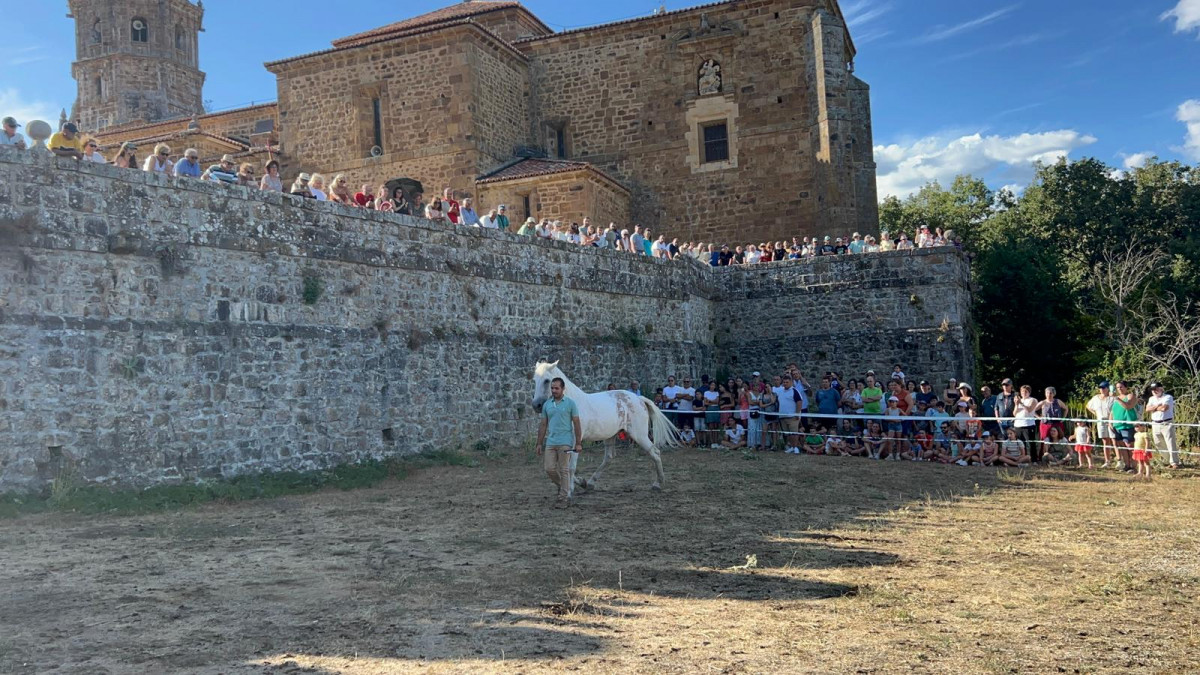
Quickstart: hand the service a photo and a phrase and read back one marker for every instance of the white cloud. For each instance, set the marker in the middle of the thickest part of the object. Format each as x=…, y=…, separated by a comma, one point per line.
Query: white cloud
x=862, y=20
x=14, y=103
x=1137, y=160
x=946, y=32
x=903, y=169
x=860, y=12
x=1189, y=114
x=1186, y=16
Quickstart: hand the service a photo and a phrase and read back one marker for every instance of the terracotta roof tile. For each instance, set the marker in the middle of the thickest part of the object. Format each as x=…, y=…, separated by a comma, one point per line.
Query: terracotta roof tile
x=534, y=167
x=420, y=30
x=461, y=10
x=135, y=126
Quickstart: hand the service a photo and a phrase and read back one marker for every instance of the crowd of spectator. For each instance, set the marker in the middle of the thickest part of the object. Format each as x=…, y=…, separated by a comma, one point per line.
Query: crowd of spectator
x=450, y=207
x=898, y=418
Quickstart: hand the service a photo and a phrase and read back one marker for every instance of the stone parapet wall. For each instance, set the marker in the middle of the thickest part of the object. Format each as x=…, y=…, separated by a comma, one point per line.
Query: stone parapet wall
x=850, y=314
x=155, y=330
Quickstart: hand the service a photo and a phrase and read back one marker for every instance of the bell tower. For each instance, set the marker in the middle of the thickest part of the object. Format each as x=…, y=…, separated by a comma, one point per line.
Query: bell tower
x=136, y=60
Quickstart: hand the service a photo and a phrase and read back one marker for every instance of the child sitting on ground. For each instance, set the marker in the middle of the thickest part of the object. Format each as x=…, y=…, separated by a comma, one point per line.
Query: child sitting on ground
x=969, y=450
x=687, y=436
x=923, y=442
x=814, y=443
x=1012, y=451
x=1055, y=449
x=855, y=446
x=989, y=450
x=873, y=441
x=835, y=446
x=735, y=435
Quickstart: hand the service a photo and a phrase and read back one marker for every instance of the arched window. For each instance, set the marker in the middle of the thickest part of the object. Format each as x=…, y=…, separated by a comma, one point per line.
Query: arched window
x=97, y=32
x=139, y=30
x=180, y=38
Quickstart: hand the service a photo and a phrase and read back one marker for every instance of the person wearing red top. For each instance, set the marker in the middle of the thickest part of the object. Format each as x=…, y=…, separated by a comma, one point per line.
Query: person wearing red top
x=449, y=206
x=364, y=197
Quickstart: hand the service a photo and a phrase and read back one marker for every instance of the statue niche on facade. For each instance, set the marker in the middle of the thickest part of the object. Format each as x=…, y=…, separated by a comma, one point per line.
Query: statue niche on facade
x=709, y=81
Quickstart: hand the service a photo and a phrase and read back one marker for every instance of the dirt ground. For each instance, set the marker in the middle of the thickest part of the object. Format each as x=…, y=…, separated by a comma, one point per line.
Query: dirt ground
x=857, y=566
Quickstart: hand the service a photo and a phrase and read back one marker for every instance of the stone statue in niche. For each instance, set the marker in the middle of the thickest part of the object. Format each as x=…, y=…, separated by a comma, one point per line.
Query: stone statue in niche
x=710, y=78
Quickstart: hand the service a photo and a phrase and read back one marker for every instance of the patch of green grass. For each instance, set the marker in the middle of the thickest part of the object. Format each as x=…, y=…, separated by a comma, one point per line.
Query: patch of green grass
x=69, y=496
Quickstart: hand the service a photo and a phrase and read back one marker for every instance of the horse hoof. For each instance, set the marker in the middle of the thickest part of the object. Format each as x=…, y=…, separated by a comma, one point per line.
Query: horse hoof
x=591, y=485
x=656, y=487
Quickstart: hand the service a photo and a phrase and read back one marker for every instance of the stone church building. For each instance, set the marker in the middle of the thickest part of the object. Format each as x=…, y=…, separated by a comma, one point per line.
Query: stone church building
x=733, y=121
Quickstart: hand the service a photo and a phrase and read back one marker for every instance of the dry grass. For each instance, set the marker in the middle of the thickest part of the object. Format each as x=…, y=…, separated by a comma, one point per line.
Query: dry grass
x=856, y=566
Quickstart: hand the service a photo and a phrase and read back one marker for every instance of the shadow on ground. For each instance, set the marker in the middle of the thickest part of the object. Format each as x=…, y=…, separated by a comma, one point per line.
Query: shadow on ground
x=454, y=565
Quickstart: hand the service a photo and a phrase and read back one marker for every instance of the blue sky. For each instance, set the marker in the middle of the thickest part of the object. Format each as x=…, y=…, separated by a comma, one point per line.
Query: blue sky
x=986, y=86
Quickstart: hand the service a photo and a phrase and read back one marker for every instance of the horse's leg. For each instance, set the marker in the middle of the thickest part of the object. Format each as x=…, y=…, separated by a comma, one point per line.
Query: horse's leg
x=590, y=484
x=643, y=440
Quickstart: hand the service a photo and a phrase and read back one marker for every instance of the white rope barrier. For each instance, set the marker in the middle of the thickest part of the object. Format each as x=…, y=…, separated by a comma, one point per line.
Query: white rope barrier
x=909, y=418
x=938, y=419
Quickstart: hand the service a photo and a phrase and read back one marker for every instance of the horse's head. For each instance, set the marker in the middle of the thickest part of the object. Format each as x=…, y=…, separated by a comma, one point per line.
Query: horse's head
x=543, y=373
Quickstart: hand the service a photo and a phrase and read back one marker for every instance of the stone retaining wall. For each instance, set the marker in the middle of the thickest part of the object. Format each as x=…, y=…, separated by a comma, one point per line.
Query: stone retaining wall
x=154, y=330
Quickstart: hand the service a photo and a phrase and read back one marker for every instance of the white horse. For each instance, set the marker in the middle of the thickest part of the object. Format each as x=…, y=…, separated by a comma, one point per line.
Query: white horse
x=605, y=414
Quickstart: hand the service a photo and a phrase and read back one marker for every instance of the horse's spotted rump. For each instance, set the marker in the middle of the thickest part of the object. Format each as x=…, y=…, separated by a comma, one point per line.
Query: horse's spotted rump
x=625, y=410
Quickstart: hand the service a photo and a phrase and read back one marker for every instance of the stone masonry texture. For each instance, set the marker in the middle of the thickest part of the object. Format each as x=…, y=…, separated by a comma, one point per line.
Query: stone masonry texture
x=154, y=330
x=120, y=79
x=459, y=100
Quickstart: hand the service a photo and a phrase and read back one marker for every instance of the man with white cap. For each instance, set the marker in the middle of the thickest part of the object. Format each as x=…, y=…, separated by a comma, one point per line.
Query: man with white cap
x=1161, y=407
x=10, y=135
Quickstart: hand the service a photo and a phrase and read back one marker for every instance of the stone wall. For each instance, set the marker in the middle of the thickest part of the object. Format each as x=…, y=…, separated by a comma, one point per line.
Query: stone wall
x=154, y=330
x=850, y=314
x=158, y=330
x=449, y=99
x=499, y=101
x=627, y=95
x=150, y=81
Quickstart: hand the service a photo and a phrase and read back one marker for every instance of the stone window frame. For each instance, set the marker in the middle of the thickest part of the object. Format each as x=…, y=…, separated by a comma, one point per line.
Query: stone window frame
x=144, y=33
x=705, y=112
x=556, y=130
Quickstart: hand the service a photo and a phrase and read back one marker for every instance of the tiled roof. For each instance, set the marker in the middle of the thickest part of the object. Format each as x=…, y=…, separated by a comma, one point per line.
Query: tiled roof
x=420, y=30
x=455, y=12
x=180, y=135
x=622, y=22
x=134, y=126
x=534, y=167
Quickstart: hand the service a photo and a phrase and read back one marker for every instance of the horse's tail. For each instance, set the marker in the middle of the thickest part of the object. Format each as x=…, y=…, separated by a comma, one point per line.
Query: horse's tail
x=664, y=431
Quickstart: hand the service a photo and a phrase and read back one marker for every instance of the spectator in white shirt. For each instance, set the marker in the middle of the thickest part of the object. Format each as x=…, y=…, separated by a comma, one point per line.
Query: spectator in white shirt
x=317, y=187
x=1161, y=408
x=160, y=161
x=489, y=221
x=91, y=153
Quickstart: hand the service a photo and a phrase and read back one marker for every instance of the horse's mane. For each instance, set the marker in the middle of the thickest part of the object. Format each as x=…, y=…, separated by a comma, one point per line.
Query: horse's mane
x=552, y=371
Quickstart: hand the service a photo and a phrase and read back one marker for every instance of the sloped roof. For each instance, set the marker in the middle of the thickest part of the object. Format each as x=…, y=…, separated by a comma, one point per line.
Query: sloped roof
x=532, y=167
x=138, y=125
x=462, y=10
